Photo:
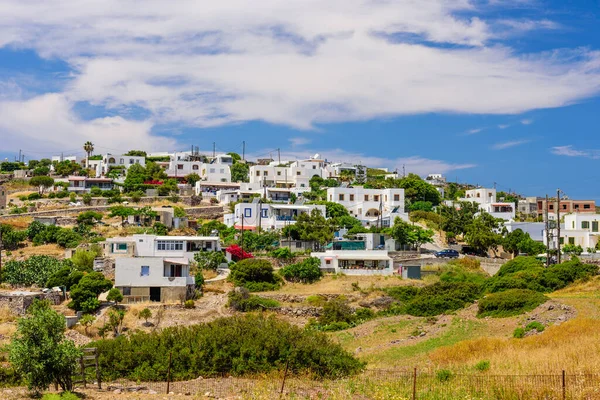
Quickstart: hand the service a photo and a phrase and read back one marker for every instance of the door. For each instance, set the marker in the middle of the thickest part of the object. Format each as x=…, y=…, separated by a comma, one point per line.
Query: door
x=154, y=294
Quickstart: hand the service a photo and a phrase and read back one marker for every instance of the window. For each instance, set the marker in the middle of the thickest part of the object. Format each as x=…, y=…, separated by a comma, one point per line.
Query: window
x=211, y=170
x=385, y=198
x=585, y=224
x=278, y=173
x=298, y=245
x=222, y=171
x=594, y=226
x=564, y=206
x=573, y=225
x=314, y=167
x=121, y=161
x=376, y=197
x=478, y=194
x=122, y=246
x=328, y=262
x=169, y=245
x=145, y=270
x=586, y=206
x=396, y=197
x=126, y=290
x=298, y=173
x=562, y=240
x=551, y=207
x=341, y=197
x=137, y=161
x=173, y=271
x=366, y=197
x=208, y=245
x=571, y=240
x=266, y=173
x=195, y=167
x=264, y=212
x=576, y=206
x=351, y=197
x=257, y=173
x=247, y=212
x=131, y=161
x=179, y=166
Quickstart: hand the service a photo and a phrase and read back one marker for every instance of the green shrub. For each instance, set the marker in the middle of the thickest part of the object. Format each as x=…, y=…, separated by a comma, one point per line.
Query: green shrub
x=306, y=271
x=482, y=366
x=241, y=300
x=459, y=274
x=402, y=293
x=87, y=199
x=66, y=276
x=189, y=304
x=239, y=345
x=316, y=300
x=199, y=279
x=442, y=297
x=255, y=275
x=34, y=196
x=36, y=270
x=443, y=375
x=364, y=314
x=535, y=325
x=510, y=302
x=518, y=264
x=9, y=377
x=519, y=333
x=336, y=310
x=84, y=295
x=282, y=253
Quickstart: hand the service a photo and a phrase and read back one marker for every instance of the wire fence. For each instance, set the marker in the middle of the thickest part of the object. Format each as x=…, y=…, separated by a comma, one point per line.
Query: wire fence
x=381, y=384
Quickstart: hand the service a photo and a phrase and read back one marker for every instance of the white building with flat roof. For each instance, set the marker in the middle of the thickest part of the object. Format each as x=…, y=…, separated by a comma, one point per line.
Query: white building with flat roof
x=370, y=206
x=160, y=246
x=581, y=229
x=356, y=262
x=486, y=198
x=268, y=216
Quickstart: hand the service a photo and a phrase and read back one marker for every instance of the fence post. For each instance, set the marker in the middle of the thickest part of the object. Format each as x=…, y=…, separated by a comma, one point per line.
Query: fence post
x=414, y=394
x=169, y=374
x=82, y=365
x=287, y=364
x=98, y=377
x=564, y=385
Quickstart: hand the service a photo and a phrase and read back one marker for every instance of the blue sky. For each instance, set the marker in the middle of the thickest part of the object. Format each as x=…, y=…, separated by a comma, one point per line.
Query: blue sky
x=482, y=91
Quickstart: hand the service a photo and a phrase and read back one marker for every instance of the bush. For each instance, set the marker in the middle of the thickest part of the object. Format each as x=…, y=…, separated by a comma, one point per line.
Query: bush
x=255, y=275
x=199, y=279
x=443, y=375
x=282, y=253
x=510, y=302
x=442, y=297
x=535, y=325
x=67, y=276
x=239, y=345
x=402, y=293
x=36, y=270
x=482, y=365
x=306, y=271
x=519, y=333
x=114, y=295
x=87, y=199
x=316, y=300
x=84, y=295
x=34, y=196
x=336, y=310
x=189, y=304
x=240, y=299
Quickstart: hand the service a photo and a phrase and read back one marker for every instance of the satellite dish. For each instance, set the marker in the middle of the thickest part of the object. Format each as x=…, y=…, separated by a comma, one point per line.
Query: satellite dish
x=316, y=156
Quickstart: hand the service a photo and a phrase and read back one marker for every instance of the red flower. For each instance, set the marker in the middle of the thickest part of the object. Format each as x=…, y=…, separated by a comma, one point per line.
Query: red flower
x=237, y=253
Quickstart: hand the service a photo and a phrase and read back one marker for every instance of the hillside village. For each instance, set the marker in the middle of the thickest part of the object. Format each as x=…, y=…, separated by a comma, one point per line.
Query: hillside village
x=393, y=271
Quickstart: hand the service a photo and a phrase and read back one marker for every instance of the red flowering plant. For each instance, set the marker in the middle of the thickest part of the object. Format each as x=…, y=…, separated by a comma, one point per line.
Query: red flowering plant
x=237, y=253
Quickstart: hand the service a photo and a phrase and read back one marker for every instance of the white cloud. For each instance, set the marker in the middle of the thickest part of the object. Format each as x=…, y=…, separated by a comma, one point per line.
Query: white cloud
x=412, y=164
x=527, y=121
x=569, y=151
x=503, y=126
x=299, y=141
x=508, y=145
x=296, y=62
x=46, y=124
x=474, y=131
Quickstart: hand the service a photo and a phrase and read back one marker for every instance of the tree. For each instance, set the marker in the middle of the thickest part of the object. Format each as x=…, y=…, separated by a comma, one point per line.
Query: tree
x=306, y=271
x=87, y=320
x=66, y=167
x=192, y=179
x=42, y=182
x=114, y=295
x=483, y=234
x=11, y=238
x=84, y=295
x=210, y=259
x=458, y=218
x=121, y=211
x=235, y=157
x=255, y=275
x=314, y=227
x=421, y=206
x=89, y=218
x=239, y=172
x=39, y=171
x=136, y=153
x=88, y=147
x=84, y=259
x=147, y=215
x=145, y=314
x=115, y=320
x=199, y=279
x=39, y=350
x=136, y=176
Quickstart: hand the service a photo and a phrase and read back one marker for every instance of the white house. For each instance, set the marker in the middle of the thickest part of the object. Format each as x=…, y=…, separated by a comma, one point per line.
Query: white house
x=290, y=173
x=486, y=198
x=356, y=262
x=370, y=206
x=535, y=229
x=267, y=216
x=581, y=229
x=83, y=184
x=208, y=172
x=116, y=161
x=154, y=279
x=160, y=246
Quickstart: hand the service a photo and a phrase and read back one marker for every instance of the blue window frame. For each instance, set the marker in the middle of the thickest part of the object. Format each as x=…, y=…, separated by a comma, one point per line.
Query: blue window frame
x=145, y=270
x=247, y=212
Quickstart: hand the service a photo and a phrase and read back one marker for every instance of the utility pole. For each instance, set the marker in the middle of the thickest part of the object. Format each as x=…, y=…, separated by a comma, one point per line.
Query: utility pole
x=279, y=156
x=547, y=233
x=19, y=155
x=214, y=149
x=558, y=225
x=403, y=171
x=244, y=150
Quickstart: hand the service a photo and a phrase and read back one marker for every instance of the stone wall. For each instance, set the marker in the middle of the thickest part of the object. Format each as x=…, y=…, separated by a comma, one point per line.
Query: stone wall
x=18, y=303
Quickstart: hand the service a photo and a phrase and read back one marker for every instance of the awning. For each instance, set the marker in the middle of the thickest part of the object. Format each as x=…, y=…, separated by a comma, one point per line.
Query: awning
x=246, y=227
x=182, y=261
x=328, y=258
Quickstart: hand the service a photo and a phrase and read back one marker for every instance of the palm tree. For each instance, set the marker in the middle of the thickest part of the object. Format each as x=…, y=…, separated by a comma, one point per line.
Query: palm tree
x=89, y=149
